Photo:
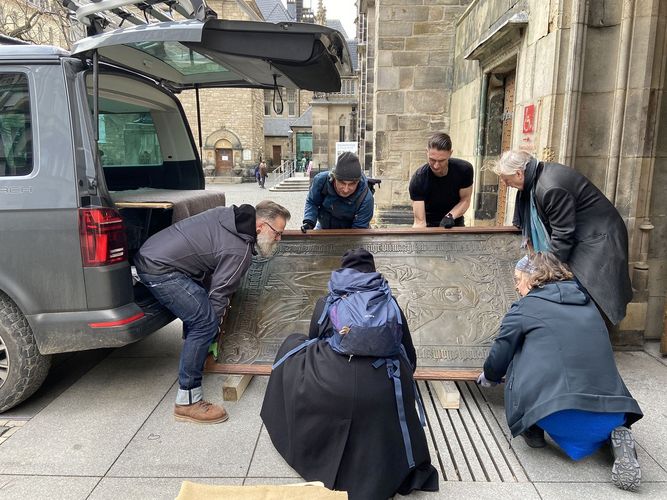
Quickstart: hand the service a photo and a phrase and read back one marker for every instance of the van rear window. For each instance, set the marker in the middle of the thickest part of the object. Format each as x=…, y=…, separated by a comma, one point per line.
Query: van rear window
x=128, y=139
x=16, y=156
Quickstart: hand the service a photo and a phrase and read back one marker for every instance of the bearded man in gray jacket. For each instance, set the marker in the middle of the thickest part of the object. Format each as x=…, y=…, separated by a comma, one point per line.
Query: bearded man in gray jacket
x=193, y=268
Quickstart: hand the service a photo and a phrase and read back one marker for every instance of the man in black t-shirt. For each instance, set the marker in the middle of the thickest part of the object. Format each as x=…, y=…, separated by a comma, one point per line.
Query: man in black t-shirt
x=441, y=189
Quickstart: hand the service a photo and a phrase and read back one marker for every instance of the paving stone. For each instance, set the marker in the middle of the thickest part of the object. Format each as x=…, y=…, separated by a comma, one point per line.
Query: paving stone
x=154, y=488
x=646, y=379
x=237, y=194
x=84, y=430
x=51, y=487
x=653, y=349
x=65, y=370
x=595, y=491
x=478, y=491
x=267, y=462
x=166, y=448
x=167, y=342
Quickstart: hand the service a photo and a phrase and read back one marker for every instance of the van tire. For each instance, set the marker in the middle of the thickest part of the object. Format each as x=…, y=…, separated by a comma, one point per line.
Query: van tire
x=24, y=368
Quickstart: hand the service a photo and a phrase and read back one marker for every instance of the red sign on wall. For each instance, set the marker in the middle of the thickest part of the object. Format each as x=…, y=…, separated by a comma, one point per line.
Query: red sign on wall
x=528, y=119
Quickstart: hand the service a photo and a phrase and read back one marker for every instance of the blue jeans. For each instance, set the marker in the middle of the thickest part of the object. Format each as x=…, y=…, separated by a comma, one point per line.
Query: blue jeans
x=188, y=301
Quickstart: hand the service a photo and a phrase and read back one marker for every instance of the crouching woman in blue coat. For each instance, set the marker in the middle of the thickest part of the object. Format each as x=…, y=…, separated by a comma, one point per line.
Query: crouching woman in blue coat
x=560, y=375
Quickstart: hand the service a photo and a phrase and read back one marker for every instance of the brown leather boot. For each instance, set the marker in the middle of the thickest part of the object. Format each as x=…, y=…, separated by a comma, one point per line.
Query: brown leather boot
x=201, y=412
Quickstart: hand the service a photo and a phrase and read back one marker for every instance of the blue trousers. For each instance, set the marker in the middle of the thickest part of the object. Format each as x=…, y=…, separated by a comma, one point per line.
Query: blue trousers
x=188, y=301
x=580, y=433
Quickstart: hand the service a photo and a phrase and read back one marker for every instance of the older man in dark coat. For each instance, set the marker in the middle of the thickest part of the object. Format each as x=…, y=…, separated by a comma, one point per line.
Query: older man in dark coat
x=573, y=219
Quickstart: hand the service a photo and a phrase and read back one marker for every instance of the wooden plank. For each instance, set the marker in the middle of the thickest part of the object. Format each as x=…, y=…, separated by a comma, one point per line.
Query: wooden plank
x=234, y=386
x=144, y=204
x=322, y=233
x=447, y=393
x=264, y=370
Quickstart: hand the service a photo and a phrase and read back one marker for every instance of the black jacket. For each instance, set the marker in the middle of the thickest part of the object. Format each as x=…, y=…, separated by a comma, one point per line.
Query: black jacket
x=207, y=247
x=334, y=419
x=554, y=349
x=588, y=234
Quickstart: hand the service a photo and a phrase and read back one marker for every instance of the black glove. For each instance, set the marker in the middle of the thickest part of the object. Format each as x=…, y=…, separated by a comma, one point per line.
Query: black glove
x=447, y=221
x=307, y=224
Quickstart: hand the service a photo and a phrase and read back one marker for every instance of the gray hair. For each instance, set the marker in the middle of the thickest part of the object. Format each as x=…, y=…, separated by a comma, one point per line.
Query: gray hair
x=269, y=210
x=511, y=162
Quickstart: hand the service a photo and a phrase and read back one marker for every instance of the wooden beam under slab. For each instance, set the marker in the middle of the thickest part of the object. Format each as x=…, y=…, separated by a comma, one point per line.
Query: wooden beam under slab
x=421, y=374
x=234, y=386
x=448, y=394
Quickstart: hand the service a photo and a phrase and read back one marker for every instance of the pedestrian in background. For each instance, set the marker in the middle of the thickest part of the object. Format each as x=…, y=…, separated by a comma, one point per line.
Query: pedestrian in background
x=263, y=172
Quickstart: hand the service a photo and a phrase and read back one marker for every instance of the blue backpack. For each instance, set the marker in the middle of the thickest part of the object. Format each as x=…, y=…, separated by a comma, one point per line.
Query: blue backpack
x=365, y=316
x=367, y=322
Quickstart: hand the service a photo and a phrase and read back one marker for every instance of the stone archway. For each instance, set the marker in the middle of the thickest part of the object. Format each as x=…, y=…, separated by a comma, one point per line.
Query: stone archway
x=222, y=152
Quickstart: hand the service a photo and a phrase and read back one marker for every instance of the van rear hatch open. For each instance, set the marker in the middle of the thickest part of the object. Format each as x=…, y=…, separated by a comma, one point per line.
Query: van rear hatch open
x=216, y=53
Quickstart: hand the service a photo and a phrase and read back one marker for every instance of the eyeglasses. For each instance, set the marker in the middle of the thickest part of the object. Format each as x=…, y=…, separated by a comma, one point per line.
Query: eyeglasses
x=278, y=233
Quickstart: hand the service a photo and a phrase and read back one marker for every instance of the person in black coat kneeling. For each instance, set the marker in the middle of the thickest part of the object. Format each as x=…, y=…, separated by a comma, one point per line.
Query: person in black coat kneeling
x=334, y=418
x=554, y=351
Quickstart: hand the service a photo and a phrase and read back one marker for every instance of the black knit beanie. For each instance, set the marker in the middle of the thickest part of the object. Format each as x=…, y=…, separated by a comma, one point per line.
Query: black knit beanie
x=244, y=218
x=347, y=167
x=359, y=259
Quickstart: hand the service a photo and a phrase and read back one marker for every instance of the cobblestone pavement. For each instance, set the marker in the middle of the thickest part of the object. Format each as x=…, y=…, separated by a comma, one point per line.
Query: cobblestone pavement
x=236, y=194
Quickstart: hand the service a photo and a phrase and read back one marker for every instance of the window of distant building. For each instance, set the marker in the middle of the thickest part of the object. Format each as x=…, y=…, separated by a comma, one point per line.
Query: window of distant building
x=267, y=102
x=291, y=102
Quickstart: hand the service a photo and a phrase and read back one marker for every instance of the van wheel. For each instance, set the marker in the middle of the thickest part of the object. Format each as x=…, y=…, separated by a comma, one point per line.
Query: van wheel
x=22, y=367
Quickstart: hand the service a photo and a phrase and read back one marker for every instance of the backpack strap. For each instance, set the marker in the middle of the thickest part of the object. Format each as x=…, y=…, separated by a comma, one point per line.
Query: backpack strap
x=418, y=398
x=394, y=373
x=292, y=352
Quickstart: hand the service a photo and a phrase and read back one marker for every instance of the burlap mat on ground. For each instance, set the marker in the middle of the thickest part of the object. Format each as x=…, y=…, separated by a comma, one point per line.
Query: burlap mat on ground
x=309, y=491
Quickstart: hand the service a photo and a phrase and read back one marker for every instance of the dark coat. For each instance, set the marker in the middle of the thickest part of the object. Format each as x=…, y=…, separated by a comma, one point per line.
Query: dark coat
x=554, y=347
x=588, y=234
x=334, y=420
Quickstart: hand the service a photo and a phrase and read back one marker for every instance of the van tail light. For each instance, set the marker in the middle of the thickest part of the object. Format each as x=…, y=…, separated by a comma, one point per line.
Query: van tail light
x=103, y=237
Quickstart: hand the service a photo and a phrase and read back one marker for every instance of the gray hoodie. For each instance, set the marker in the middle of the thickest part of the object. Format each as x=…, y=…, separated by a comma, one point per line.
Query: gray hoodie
x=207, y=247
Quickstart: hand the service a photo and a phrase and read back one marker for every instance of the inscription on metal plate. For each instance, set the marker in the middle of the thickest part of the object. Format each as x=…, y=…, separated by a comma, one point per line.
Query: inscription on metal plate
x=454, y=289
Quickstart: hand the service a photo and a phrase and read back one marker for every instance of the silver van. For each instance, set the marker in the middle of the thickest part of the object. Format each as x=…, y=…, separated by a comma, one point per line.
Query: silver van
x=86, y=140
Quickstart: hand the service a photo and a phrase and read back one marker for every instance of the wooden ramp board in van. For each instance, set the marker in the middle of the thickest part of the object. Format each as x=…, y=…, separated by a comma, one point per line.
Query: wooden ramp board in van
x=453, y=285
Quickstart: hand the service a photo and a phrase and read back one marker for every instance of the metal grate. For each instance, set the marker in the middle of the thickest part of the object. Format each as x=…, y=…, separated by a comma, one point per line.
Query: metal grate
x=469, y=443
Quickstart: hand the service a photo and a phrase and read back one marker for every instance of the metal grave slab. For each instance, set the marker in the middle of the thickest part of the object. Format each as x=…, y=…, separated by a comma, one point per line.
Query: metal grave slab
x=453, y=285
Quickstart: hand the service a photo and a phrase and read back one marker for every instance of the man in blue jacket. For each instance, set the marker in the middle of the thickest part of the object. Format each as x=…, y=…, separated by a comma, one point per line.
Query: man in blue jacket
x=340, y=199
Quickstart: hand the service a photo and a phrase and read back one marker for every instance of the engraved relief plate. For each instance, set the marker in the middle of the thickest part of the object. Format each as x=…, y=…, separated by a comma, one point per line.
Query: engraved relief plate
x=454, y=288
